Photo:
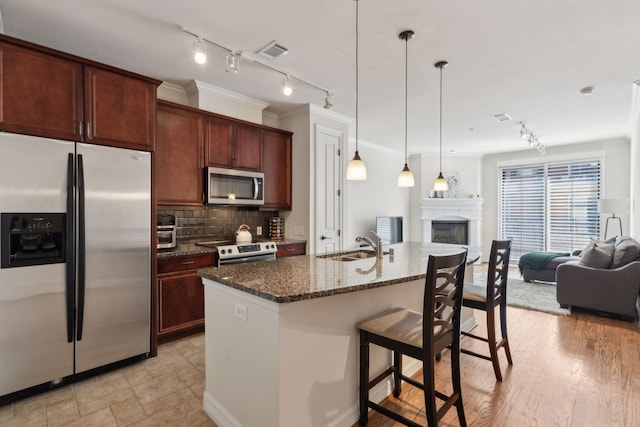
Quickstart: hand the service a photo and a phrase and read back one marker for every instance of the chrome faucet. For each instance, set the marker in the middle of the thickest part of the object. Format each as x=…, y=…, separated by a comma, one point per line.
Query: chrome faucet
x=377, y=245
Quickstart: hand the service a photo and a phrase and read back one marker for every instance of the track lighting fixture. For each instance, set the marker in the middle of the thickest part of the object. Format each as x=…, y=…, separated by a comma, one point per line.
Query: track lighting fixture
x=287, y=86
x=233, y=63
x=356, y=170
x=532, y=139
x=199, y=51
x=406, y=179
x=441, y=184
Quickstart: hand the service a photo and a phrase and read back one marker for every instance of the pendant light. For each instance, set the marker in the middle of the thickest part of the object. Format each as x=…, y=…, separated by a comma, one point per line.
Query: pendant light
x=441, y=184
x=356, y=170
x=405, y=179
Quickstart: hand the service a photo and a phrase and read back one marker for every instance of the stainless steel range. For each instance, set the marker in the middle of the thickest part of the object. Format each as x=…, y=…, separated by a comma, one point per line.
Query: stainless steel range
x=230, y=253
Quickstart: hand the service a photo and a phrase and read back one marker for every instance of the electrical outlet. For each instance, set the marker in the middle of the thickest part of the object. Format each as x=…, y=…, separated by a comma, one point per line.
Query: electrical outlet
x=240, y=311
x=298, y=230
x=259, y=230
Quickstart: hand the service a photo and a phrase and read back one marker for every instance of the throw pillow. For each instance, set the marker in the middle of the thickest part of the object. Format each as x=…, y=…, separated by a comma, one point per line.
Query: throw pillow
x=625, y=251
x=597, y=255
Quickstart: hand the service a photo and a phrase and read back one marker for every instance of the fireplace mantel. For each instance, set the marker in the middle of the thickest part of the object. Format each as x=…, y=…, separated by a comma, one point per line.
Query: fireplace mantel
x=452, y=209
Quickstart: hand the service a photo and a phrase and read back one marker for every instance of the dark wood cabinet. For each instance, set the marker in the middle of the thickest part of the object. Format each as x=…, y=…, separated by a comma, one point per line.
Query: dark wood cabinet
x=233, y=145
x=119, y=110
x=179, y=165
x=52, y=94
x=291, y=249
x=181, y=296
x=276, y=166
x=40, y=94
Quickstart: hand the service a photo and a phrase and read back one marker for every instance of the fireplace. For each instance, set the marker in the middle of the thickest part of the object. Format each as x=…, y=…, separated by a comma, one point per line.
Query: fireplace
x=455, y=232
x=454, y=212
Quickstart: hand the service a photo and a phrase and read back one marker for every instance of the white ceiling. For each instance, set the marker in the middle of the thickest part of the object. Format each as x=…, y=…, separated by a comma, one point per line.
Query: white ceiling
x=528, y=59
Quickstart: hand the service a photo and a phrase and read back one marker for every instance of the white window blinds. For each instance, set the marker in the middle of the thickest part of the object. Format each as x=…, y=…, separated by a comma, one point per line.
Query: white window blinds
x=574, y=190
x=522, y=209
x=549, y=207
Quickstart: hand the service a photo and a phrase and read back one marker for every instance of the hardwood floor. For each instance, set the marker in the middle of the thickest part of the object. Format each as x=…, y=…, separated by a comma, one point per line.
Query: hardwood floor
x=578, y=370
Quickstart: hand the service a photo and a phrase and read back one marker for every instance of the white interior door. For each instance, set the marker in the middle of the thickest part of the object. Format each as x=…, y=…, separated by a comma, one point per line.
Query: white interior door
x=328, y=190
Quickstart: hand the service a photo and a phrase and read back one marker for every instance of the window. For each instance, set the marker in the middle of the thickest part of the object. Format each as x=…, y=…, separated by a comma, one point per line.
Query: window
x=549, y=207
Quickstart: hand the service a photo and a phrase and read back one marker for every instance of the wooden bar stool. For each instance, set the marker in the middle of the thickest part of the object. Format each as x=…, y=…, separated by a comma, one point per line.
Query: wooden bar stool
x=406, y=332
x=487, y=299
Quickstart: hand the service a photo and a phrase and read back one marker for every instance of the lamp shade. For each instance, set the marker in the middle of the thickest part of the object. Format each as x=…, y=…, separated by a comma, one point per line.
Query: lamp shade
x=613, y=206
x=406, y=179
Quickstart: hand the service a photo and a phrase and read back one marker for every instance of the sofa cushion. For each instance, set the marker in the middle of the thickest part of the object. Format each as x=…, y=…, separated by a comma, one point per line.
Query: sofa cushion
x=625, y=250
x=597, y=255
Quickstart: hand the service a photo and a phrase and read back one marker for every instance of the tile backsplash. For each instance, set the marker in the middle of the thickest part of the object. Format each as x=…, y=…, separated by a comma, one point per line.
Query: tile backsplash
x=216, y=222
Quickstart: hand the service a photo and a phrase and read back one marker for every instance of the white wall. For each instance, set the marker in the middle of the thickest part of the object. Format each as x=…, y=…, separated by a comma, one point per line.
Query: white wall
x=615, y=181
x=379, y=195
x=635, y=162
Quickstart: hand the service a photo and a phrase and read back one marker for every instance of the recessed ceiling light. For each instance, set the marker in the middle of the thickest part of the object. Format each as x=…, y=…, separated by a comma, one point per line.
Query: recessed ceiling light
x=587, y=90
x=501, y=117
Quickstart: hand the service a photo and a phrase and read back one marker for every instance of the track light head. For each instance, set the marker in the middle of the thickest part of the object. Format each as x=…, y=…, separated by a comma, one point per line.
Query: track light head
x=287, y=86
x=328, y=100
x=199, y=51
x=233, y=63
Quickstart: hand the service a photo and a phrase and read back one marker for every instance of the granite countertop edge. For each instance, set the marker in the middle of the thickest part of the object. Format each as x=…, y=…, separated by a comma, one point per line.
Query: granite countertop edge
x=308, y=295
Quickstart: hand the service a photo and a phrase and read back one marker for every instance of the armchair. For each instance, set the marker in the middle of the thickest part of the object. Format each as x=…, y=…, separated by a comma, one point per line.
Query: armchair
x=611, y=290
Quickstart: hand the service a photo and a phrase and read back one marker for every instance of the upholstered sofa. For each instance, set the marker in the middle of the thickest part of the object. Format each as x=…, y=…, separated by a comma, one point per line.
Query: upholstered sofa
x=606, y=278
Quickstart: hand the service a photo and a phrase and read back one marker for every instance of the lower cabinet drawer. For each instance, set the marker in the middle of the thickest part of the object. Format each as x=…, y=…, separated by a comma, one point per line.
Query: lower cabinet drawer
x=291, y=249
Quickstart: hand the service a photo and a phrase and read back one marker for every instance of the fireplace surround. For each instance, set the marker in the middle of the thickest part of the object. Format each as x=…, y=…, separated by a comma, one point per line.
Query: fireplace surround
x=452, y=210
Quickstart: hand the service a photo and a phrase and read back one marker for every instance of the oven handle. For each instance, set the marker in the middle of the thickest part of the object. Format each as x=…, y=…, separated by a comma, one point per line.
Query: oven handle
x=265, y=257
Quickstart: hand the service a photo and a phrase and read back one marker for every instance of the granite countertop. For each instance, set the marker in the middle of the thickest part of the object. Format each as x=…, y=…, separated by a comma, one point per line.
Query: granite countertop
x=192, y=247
x=308, y=276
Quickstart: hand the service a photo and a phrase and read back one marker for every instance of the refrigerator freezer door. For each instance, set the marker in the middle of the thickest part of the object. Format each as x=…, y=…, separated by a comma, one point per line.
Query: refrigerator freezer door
x=33, y=331
x=116, y=321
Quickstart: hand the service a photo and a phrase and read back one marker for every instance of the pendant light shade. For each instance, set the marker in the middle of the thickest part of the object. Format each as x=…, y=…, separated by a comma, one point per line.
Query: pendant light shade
x=406, y=179
x=441, y=184
x=356, y=170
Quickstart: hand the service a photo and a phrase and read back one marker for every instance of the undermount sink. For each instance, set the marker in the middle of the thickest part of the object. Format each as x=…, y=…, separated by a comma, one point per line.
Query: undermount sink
x=351, y=255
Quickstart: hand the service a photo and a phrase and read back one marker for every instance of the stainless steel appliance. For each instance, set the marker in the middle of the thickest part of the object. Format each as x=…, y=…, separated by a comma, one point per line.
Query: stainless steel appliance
x=229, y=253
x=234, y=187
x=75, y=244
x=166, y=230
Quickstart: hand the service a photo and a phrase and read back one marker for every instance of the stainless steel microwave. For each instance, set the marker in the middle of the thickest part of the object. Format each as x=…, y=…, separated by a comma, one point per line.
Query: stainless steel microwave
x=234, y=187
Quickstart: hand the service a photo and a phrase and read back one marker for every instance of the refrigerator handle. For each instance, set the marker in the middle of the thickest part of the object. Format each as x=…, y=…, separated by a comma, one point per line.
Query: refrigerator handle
x=81, y=248
x=70, y=264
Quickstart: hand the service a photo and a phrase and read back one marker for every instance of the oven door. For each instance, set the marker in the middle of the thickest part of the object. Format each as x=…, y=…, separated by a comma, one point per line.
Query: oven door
x=247, y=258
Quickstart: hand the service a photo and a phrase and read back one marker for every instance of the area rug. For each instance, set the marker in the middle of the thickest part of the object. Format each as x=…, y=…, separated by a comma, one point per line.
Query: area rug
x=534, y=296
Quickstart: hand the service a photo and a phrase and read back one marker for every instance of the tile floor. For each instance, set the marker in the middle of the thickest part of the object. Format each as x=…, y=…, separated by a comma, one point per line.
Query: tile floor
x=165, y=390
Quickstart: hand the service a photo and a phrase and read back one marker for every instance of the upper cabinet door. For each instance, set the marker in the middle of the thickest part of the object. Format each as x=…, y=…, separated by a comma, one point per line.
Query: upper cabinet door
x=247, y=148
x=277, y=168
x=119, y=110
x=232, y=145
x=178, y=158
x=40, y=94
x=219, y=137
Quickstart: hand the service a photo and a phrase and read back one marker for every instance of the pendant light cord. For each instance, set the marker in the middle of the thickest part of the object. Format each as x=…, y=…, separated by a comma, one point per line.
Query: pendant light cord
x=356, y=75
x=406, y=93
x=441, y=119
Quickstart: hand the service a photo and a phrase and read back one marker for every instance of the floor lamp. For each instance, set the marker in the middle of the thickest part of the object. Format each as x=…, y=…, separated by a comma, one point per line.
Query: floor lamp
x=612, y=206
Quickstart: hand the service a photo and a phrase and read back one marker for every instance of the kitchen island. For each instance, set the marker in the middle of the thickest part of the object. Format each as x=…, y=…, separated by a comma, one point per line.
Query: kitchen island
x=281, y=336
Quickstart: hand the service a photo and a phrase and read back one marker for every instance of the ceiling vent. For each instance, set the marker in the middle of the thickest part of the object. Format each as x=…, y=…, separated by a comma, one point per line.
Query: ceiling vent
x=501, y=117
x=272, y=50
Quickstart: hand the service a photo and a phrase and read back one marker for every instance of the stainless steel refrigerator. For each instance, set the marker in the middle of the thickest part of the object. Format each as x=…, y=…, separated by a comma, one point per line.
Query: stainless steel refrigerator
x=75, y=248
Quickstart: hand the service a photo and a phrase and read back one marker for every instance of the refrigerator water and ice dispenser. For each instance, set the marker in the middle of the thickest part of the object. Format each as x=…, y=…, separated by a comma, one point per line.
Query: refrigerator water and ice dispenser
x=32, y=239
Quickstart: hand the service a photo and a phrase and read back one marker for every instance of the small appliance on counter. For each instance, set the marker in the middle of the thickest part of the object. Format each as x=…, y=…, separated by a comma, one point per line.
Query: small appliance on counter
x=167, y=231
x=276, y=228
x=243, y=235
